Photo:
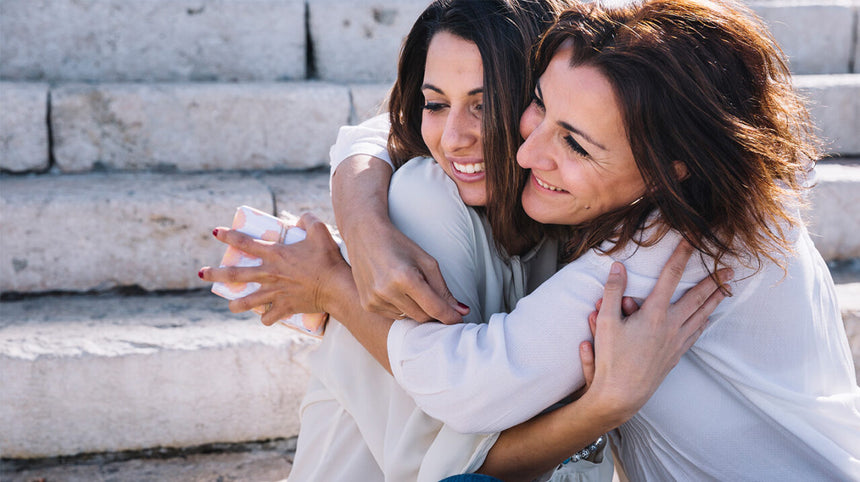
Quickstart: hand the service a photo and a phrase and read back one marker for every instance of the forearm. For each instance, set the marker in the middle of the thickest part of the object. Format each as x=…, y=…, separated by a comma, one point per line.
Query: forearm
x=534, y=447
x=341, y=301
x=359, y=192
x=516, y=357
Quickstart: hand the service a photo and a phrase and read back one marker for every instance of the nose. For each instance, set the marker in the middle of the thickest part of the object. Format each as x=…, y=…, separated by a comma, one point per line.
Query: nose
x=533, y=154
x=462, y=130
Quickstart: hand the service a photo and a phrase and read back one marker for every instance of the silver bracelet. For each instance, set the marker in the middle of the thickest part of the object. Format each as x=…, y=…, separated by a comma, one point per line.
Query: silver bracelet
x=587, y=451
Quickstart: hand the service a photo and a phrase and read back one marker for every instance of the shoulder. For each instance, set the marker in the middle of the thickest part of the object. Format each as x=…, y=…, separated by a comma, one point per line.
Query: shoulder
x=420, y=188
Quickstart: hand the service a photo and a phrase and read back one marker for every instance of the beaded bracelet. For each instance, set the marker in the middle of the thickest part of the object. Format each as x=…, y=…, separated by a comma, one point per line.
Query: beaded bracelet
x=584, y=453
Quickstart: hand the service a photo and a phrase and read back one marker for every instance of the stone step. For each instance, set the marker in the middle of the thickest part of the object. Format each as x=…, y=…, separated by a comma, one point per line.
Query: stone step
x=185, y=127
x=834, y=104
x=191, y=127
x=833, y=218
x=106, y=373
x=155, y=40
x=101, y=231
x=266, y=40
x=819, y=37
x=267, y=461
x=199, y=126
x=83, y=374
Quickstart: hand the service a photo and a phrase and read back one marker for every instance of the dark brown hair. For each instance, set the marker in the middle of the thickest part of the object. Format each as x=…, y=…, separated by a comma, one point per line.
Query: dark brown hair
x=505, y=32
x=703, y=83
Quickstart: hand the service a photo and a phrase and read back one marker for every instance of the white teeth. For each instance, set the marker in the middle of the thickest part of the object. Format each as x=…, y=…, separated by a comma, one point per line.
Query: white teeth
x=469, y=168
x=547, y=186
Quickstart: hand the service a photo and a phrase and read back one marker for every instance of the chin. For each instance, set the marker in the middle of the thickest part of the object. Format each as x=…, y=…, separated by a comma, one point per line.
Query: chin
x=473, y=199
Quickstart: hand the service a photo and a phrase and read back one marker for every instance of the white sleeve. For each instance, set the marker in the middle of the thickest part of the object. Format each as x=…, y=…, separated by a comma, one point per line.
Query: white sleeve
x=482, y=378
x=370, y=137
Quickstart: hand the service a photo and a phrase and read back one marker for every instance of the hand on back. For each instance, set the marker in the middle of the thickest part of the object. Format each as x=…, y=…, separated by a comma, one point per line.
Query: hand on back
x=635, y=348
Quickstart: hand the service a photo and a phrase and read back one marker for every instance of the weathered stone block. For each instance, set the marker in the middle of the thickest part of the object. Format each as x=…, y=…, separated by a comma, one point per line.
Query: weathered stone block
x=98, y=231
x=298, y=193
x=359, y=40
x=165, y=40
x=23, y=126
x=817, y=37
x=368, y=100
x=847, y=278
x=834, y=103
x=98, y=374
x=856, y=63
x=196, y=126
x=834, y=218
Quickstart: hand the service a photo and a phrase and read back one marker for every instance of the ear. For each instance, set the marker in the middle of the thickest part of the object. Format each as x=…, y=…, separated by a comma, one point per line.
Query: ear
x=680, y=170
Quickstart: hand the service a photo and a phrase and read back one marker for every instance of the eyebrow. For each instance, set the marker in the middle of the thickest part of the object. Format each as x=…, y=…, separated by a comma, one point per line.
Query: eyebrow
x=437, y=89
x=564, y=125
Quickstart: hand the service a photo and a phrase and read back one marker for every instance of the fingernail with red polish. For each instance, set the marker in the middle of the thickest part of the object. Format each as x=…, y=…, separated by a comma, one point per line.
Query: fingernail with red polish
x=200, y=274
x=215, y=232
x=463, y=308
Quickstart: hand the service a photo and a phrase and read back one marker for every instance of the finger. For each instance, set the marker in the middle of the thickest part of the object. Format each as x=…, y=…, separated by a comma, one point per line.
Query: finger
x=613, y=291
x=431, y=306
x=691, y=340
x=669, y=278
x=438, y=302
x=598, y=304
x=586, y=356
x=629, y=306
x=592, y=324
x=255, y=299
x=380, y=306
x=243, y=242
x=233, y=274
x=405, y=307
x=592, y=320
x=308, y=219
x=696, y=297
x=700, y=317
x=315, y=228
x=274, y=314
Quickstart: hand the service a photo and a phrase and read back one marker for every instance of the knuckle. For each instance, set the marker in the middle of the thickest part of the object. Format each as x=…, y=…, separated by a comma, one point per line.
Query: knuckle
x=231, y=274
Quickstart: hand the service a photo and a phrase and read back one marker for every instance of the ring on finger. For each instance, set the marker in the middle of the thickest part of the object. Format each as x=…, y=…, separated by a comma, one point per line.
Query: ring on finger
x=266, y=308
x=401, y=316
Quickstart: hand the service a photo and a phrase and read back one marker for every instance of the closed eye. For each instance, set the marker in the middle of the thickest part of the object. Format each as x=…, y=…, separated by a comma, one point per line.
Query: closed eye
x=434, y=106
x=538, y=102
x=575, y=146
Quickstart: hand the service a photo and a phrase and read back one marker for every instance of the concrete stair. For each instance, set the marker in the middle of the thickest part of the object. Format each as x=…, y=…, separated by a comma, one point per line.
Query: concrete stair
x=129, y=130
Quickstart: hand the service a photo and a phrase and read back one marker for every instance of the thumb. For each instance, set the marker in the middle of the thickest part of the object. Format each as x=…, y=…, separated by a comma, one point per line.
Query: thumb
x=307, y=220
x=613, y=292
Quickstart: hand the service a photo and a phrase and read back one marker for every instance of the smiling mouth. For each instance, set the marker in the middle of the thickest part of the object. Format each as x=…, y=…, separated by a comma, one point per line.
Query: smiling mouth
x=469, y=168
x=546, y=186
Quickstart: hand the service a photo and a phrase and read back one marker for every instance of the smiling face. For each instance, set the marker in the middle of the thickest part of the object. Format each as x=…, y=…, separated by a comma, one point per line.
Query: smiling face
x=453, y=91
x=575, y=146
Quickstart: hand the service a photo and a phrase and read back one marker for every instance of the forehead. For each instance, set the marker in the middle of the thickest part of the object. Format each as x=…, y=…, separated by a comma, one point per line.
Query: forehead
x=450, y=57
x=581, y=95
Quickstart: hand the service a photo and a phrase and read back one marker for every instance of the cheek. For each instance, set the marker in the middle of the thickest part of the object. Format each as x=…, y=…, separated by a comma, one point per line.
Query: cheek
x=432, y=127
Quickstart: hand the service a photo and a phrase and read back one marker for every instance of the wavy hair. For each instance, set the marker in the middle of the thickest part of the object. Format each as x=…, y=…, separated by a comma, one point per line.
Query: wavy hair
x=700, y=82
